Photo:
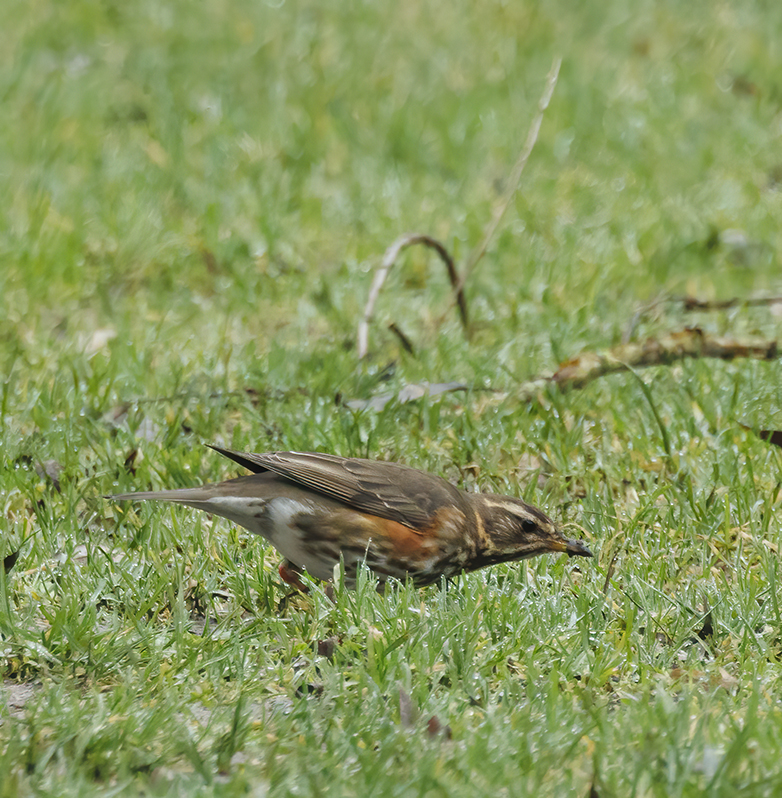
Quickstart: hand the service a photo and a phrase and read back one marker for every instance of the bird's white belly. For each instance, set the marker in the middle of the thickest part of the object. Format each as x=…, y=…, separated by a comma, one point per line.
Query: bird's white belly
x=289, y=539
x=275, y=520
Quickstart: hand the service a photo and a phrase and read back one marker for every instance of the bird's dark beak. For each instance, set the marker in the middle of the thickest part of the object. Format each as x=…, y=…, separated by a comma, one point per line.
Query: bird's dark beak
x=577, y=548
x=573, y=548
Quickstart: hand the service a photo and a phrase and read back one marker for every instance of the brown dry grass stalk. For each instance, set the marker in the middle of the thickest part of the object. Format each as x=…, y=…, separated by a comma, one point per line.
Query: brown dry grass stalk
x=458, y=282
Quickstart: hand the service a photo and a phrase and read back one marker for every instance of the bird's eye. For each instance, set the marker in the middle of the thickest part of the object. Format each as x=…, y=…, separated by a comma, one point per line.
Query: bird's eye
x=529, y=526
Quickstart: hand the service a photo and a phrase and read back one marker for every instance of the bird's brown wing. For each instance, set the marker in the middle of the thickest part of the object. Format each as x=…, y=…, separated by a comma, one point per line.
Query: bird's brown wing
x=387, y=490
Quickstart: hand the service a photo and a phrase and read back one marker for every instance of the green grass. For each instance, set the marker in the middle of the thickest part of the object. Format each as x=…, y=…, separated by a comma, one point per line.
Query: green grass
x=195, y=197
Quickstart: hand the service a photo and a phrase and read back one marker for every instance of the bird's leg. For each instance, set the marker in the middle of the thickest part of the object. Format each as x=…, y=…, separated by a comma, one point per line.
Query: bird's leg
x=291, y=574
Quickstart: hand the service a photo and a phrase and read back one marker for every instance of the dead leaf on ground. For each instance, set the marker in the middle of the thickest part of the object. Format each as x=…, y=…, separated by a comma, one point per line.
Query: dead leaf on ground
x=50, y=470
x=409, y=393
x=130, y=461
x=18, y=695
x=436, y=729
x=326, y=648
x=772, y=436
x=97, y=340
x=9, y=561
x=407, y=711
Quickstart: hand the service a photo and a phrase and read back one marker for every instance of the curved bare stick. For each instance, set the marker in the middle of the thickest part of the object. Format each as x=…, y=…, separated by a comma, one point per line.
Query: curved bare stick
x=389, y=258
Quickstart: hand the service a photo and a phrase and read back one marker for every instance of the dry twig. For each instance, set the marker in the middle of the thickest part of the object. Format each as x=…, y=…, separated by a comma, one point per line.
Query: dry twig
x=515, y=177
x=690, y=342
x=407, y=344
x=458, y=282
x=692, y=303
x=579, y=371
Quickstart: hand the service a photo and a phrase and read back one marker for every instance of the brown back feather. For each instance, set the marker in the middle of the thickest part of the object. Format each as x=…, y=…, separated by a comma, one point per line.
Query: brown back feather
x=388, y=490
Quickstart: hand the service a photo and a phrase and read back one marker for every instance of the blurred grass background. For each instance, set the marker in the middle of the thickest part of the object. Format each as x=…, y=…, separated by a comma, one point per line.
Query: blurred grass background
x=195, y=197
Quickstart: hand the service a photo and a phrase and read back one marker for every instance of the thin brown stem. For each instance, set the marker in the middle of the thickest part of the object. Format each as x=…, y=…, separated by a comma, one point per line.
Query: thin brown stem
x=513, y=184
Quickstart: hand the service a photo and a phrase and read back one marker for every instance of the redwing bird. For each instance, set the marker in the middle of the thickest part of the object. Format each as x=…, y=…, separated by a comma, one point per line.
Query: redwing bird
x=317, y=508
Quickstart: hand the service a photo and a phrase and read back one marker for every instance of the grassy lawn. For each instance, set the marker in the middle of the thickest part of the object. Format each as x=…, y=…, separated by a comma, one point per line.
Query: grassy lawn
x=195, y=197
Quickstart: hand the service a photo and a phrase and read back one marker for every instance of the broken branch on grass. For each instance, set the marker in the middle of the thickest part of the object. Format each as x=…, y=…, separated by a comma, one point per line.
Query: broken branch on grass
x=579, y=371
x=690, y=342
x=389, y=259
x=692, y=303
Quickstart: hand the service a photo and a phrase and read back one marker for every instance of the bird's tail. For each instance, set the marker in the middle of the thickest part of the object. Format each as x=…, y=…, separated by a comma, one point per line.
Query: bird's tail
x=183, y=496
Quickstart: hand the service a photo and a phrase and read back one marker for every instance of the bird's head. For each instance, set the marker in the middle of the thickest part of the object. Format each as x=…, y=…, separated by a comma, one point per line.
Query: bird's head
x=515, y=530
